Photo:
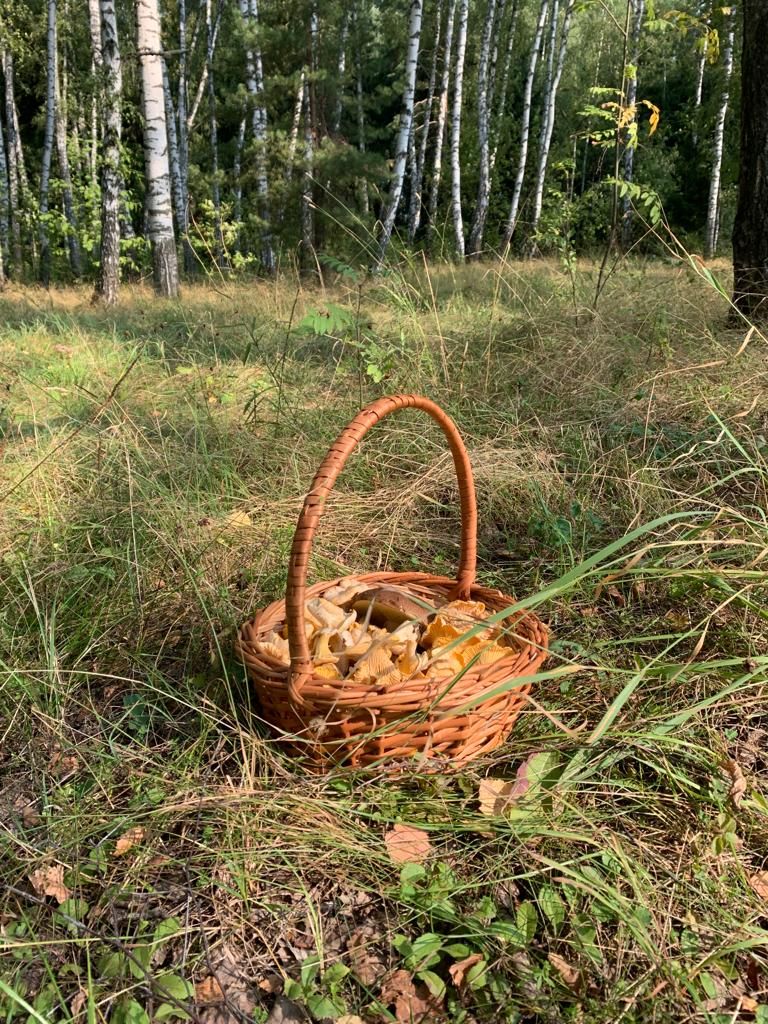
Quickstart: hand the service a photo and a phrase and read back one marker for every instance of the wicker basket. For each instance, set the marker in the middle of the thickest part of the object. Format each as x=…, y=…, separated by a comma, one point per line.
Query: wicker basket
x=333, y=721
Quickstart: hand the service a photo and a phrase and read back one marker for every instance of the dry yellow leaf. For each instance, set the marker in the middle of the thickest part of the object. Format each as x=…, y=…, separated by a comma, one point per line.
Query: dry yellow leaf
x=759, y=882
x=569, y=974
x=236, y=520
x=407, y=845
x=458, y=971
x=738, y=782
x=49, y=881
x=209, y=991
x=128, y=840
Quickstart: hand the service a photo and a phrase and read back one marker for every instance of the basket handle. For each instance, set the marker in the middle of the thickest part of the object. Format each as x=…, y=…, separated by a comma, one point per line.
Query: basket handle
x=325, y=478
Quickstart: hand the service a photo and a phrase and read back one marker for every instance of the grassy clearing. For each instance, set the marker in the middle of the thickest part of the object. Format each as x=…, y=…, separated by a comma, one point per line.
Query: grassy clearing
x=136, y=779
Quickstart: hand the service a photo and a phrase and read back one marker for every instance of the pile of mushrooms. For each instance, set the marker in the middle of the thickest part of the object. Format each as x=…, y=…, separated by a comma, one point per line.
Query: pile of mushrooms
x=383, y=635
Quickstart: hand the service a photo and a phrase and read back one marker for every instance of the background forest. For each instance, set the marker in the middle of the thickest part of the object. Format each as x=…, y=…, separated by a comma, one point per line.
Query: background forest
x=284, y=130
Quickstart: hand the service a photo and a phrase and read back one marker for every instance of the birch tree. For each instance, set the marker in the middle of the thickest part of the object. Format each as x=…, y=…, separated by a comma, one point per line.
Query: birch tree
x=525, y=124
x=4, y=209
x=404, y=133
x=550, y=104
x=213, y=137
x=108, y=281
x=94, y=25
x=73, y=242
x=420, y=151
x=442, y=117
x=183, y=143
x=498, y=119
x=48, y=140
x=14, y=212
x=158, y=201
x=483, y=132
x=713, y=205
x=254, y=78
x=458, y=97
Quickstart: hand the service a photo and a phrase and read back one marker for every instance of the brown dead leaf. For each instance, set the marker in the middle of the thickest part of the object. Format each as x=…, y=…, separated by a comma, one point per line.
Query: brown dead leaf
x=78, y=1002
x=458, y=971
x=759, y=882
x=209, y=991
x=49, y=881
x=413, y=1003
x=128, y=840
x=569, y=974
x=28, y=810
x=589, y=611
x=748, y=1004
x=366, y=965
x=677, y=619
x=407, y=845
x=349, y=1018
x=62, y=762
x=738, y=782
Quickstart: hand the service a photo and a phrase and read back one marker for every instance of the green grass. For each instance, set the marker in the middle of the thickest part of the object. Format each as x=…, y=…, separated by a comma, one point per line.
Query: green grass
x=626, y=888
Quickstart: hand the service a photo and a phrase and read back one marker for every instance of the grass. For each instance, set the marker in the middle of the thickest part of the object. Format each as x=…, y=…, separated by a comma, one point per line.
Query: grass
x=137, y=780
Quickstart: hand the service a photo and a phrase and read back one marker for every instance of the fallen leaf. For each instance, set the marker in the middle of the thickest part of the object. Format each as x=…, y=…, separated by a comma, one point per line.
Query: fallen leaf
x=365, y=963
x=759, y=883
x=350, y=1018
x=208, y=991
x=64, y=350
x=458, y=971
x=236, y=520
x=738, y=782
x=407, y=845
x=748, y=1004
x=28, y=810
x=497, y=796
x=78, y=1002
x=413, y=1003
x=589, y=611
x=677, y=619
x=616, y=595
x=273, y=984
x=569, y=974
x=49, y=881
x=128, y=840
x=62, y=763
x=285, y=1011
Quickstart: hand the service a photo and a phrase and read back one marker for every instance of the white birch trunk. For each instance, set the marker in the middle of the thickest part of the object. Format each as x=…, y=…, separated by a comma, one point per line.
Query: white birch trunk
x=14, y=211
x=73, y=242
x=458, y=98
x=404, y=133
x=417, y=178
x=183, y=140
x=713, y=204
x=48, y=140
x=237, y=173
x=307, y=204
x=504, y=89
x=483, y=133
x=4, y=207
x=254, y=80
x=173, y=149
x=94, y=24
x=158, y=204
x=525, y=126
x=550, y=105
x=200, y=92
x=108, y=282
x=638, y=7
x=442, y=117
x=293, y=138
x=213, y=139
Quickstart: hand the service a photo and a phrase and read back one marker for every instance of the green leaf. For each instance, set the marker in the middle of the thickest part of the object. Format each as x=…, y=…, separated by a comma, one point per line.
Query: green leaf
x=321, y=1006
x=166, y=1011
x=425, y=946
x=112, y=965
x=166, y=928
x=527, y=921
x=310, y=969
x=293, y=989
x=551, y=906
x=434, y=983
x=457, y=950
x=128, y=1011
x=175, y=986
x=335, y=973
x=402, y=945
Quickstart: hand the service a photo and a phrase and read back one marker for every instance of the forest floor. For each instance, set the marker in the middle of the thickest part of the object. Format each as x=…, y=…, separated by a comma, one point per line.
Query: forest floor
x=159, y=855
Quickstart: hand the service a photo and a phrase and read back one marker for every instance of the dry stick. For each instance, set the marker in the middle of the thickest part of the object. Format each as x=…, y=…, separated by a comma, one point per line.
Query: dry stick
x=62, y=444
x=118, y=945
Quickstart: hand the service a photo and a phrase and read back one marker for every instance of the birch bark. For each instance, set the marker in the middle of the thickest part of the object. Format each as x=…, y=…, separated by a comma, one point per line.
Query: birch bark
x=458, y=98
x=404, y=133
x=108, y=281
x=525, y=127
x=158, y=204
x=713, y=204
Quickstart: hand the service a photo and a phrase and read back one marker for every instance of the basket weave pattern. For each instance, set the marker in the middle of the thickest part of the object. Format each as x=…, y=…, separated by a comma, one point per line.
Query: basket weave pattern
x=341, y=720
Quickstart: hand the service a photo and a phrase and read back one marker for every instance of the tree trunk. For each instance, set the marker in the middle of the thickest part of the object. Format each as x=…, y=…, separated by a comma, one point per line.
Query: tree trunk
x=750, y=231
x=362, y=184
x=200, y=92
x=504, y=89
x=108, y=282
x=525, y=127
x=213, y=138
x=404, y=133
x=183, y=145
x=254, y=80
x=4, y=206
x=417, y=178
x=341, y=69
x=73, y=241
x=237, y=174
x=14, y=211
x=483, y=133
x=442, y=117
x=630, y=101
x=159, y=209
x=48, y=140
x=550, y=103
x=710, y=244
x=458, y=97
x=307, y=206
x=173, y=149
